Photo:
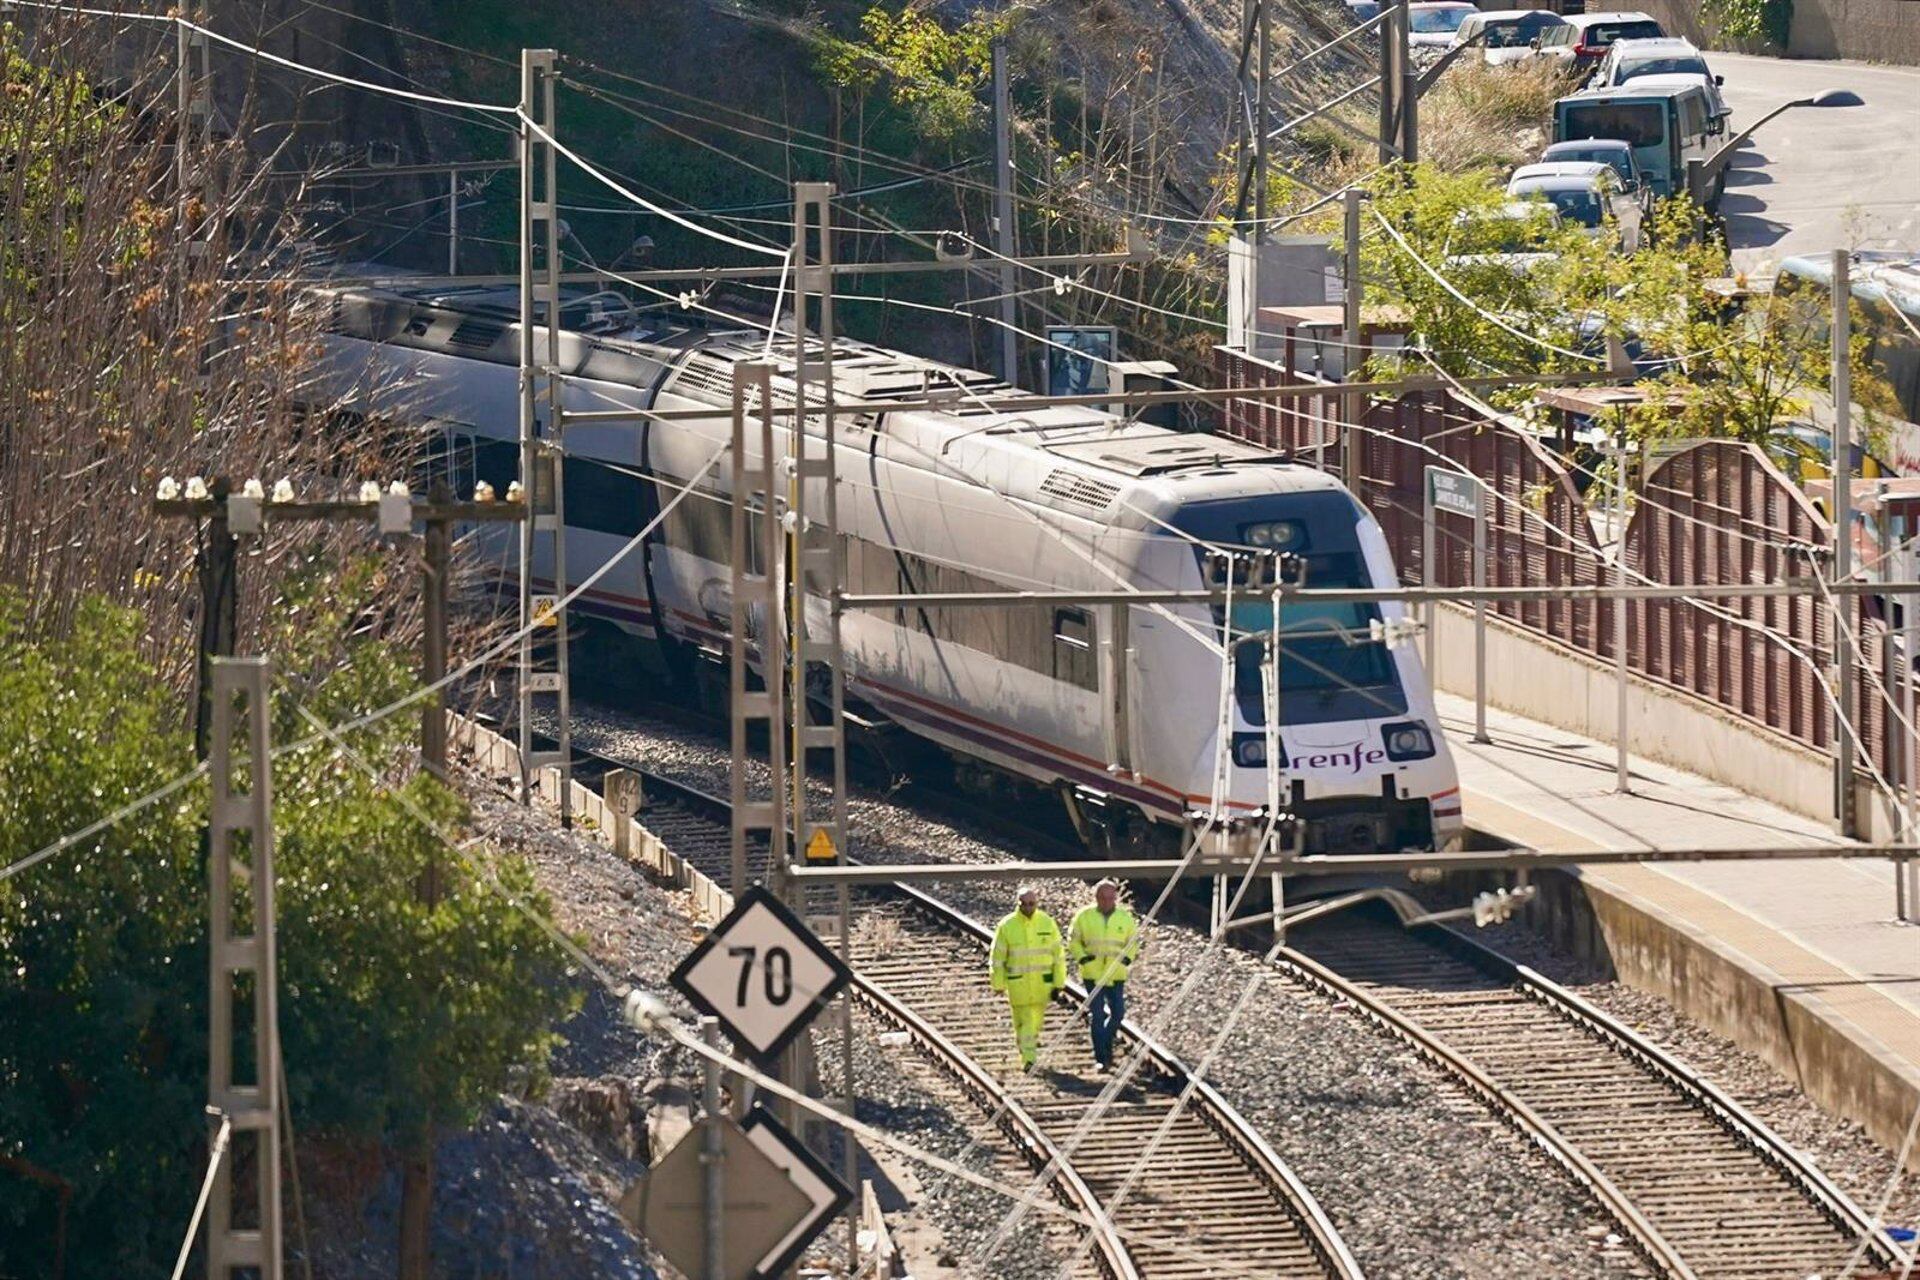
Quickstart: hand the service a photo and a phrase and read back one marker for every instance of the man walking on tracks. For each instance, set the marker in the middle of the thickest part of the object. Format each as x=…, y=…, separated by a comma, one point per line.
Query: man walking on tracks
x=1105, y=941
x=1029, y=964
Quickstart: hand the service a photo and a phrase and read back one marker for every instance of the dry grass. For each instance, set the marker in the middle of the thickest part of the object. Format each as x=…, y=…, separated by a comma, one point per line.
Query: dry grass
x=1490, y=117
x=129, y=357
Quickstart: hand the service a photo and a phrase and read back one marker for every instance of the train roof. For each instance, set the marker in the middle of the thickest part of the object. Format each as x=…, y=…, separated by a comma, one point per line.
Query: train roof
x=1077, y=459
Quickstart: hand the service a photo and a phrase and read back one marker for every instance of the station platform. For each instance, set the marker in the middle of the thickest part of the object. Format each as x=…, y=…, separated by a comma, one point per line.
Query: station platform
x=1801, y=961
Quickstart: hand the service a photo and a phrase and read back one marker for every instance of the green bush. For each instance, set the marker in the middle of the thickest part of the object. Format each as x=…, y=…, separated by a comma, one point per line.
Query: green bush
x=1769, y=20
x=396, y=1019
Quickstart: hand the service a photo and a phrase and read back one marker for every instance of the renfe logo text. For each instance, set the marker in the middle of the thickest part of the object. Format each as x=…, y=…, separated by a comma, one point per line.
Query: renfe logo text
x=1352, y=758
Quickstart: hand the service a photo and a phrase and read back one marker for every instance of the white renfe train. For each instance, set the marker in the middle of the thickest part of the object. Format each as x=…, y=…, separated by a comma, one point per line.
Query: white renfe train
x=1116, y=707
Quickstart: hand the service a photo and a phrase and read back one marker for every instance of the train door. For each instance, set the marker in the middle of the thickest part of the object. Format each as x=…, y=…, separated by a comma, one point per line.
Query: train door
x=1116, y=658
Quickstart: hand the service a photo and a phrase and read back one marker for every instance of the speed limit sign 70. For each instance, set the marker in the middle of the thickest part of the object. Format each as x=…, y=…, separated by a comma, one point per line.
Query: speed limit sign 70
x=762, y=973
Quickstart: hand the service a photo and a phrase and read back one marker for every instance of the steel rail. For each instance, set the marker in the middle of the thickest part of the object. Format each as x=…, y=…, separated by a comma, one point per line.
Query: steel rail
x=1498, y=1099
x=1219, y=1114
x=1014, y=1120
x=1210, y=1108
x=1588, y=1157
x=1733, y=1117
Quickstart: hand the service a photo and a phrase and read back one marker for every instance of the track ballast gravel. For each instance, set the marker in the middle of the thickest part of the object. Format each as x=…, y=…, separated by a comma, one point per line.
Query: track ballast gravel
x=1419, y=1179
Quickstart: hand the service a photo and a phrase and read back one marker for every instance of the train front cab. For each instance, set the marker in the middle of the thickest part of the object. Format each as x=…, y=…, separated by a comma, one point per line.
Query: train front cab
x=1364, y=765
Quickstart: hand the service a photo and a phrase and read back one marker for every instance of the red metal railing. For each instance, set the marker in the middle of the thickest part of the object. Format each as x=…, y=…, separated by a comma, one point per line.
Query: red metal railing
x=1720, y=512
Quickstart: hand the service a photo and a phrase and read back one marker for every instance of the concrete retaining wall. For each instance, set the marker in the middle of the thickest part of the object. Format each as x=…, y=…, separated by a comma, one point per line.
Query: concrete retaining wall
x=495, y=756
x=1866, y=30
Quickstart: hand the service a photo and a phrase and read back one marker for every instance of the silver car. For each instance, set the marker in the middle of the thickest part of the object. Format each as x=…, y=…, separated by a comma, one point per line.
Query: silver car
x=1587, y=193
x=1634, y=59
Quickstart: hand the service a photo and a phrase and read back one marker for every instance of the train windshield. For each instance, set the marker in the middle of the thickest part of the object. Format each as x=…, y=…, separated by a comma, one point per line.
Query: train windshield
x=1329, y=669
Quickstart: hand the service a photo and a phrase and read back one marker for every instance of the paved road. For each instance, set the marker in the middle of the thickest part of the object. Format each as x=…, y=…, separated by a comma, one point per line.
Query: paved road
x=1814, y=180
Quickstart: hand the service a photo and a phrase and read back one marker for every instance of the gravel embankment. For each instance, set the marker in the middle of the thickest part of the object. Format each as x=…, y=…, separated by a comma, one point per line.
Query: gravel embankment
x=1419, y=1180
x=528, y=1191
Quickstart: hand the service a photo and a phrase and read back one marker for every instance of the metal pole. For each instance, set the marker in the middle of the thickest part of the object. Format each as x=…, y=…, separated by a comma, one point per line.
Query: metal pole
x=528, y=459
x=1263, y=32
x=433, y=666
x=542, y=473
x=453, y=222
x=241, y=741
x=1622, y=774
x=1429, y=575
x=1841, y=379
x=713, y=1156
x=1005, y=242
x=219, y=595
x=817, y=559
x=757, y=571
x=1910, y=631
x=1350, y=403
x=1409, y=85
x=1480, y=616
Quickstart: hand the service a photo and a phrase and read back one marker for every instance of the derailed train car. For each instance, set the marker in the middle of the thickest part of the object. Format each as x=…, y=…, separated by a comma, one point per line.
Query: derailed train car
x=1118, y=708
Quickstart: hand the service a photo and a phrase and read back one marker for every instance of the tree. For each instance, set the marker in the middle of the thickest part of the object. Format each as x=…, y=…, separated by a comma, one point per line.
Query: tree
x=398, y=1019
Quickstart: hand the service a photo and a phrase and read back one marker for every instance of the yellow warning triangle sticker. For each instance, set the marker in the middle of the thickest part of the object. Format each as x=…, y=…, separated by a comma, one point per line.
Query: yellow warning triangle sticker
x=820, y=848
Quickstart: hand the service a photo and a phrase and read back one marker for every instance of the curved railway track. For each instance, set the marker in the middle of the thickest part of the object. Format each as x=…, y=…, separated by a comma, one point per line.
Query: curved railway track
x=1704, y=1188
x=1700, y=1186
x=1213, y=1199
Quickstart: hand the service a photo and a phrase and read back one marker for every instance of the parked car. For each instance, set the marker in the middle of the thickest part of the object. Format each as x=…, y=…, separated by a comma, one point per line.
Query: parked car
x=1363, y=10
x=1586, y=37
x=1431, y=27
x=1586, y=192
x=1514, y=237
x=1510, y=33
x=1613, y=153
x=1633, y=59
x=1666, y=125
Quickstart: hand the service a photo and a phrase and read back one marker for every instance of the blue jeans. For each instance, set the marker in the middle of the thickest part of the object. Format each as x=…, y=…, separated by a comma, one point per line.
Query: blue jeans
x=1105, y=1012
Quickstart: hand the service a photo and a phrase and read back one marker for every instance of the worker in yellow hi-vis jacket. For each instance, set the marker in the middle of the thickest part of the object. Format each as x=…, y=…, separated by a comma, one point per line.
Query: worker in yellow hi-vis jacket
x=1105, y=941
x=1028, y=964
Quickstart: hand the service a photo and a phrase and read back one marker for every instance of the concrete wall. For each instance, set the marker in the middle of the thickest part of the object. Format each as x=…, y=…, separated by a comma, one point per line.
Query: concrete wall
x=1867, y=30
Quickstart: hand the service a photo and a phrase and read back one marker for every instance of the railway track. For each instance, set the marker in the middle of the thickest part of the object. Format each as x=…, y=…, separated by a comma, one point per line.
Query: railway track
x=1212, y=1200
x=1704, y=1188
x=1701, y=1187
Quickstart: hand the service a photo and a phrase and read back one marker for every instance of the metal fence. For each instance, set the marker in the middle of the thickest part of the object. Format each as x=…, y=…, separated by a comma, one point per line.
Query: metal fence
x=1720, y=512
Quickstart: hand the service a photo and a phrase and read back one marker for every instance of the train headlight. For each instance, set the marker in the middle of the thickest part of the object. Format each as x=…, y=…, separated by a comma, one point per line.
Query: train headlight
x=1250, y=750
x=1274, y=535
x=1408, y=740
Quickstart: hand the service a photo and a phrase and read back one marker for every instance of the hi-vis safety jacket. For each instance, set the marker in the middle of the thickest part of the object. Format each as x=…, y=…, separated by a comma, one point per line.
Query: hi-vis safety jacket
x=1104, y=946
x=1029, y=962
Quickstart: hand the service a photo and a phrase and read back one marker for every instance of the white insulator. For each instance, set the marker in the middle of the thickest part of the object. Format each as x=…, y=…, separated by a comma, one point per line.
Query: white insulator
x=253, y=488
x=369, y=491
x=483, y=492
x=283, y=490
x=169, y=489
x=644, y=1010
x=196, y=489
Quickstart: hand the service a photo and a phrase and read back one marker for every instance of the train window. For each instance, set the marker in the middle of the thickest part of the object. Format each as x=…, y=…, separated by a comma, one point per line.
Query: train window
x=497, y=462
x=603, y=498
x=1074, y=660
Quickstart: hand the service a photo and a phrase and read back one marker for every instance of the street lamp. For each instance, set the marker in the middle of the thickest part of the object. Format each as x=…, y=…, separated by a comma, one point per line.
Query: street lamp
x=1700, y=172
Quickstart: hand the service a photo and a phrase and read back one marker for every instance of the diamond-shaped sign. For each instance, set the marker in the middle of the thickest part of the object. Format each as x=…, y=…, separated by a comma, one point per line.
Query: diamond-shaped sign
x=759, y=1208
x=827, y=1193
x=762, y=973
